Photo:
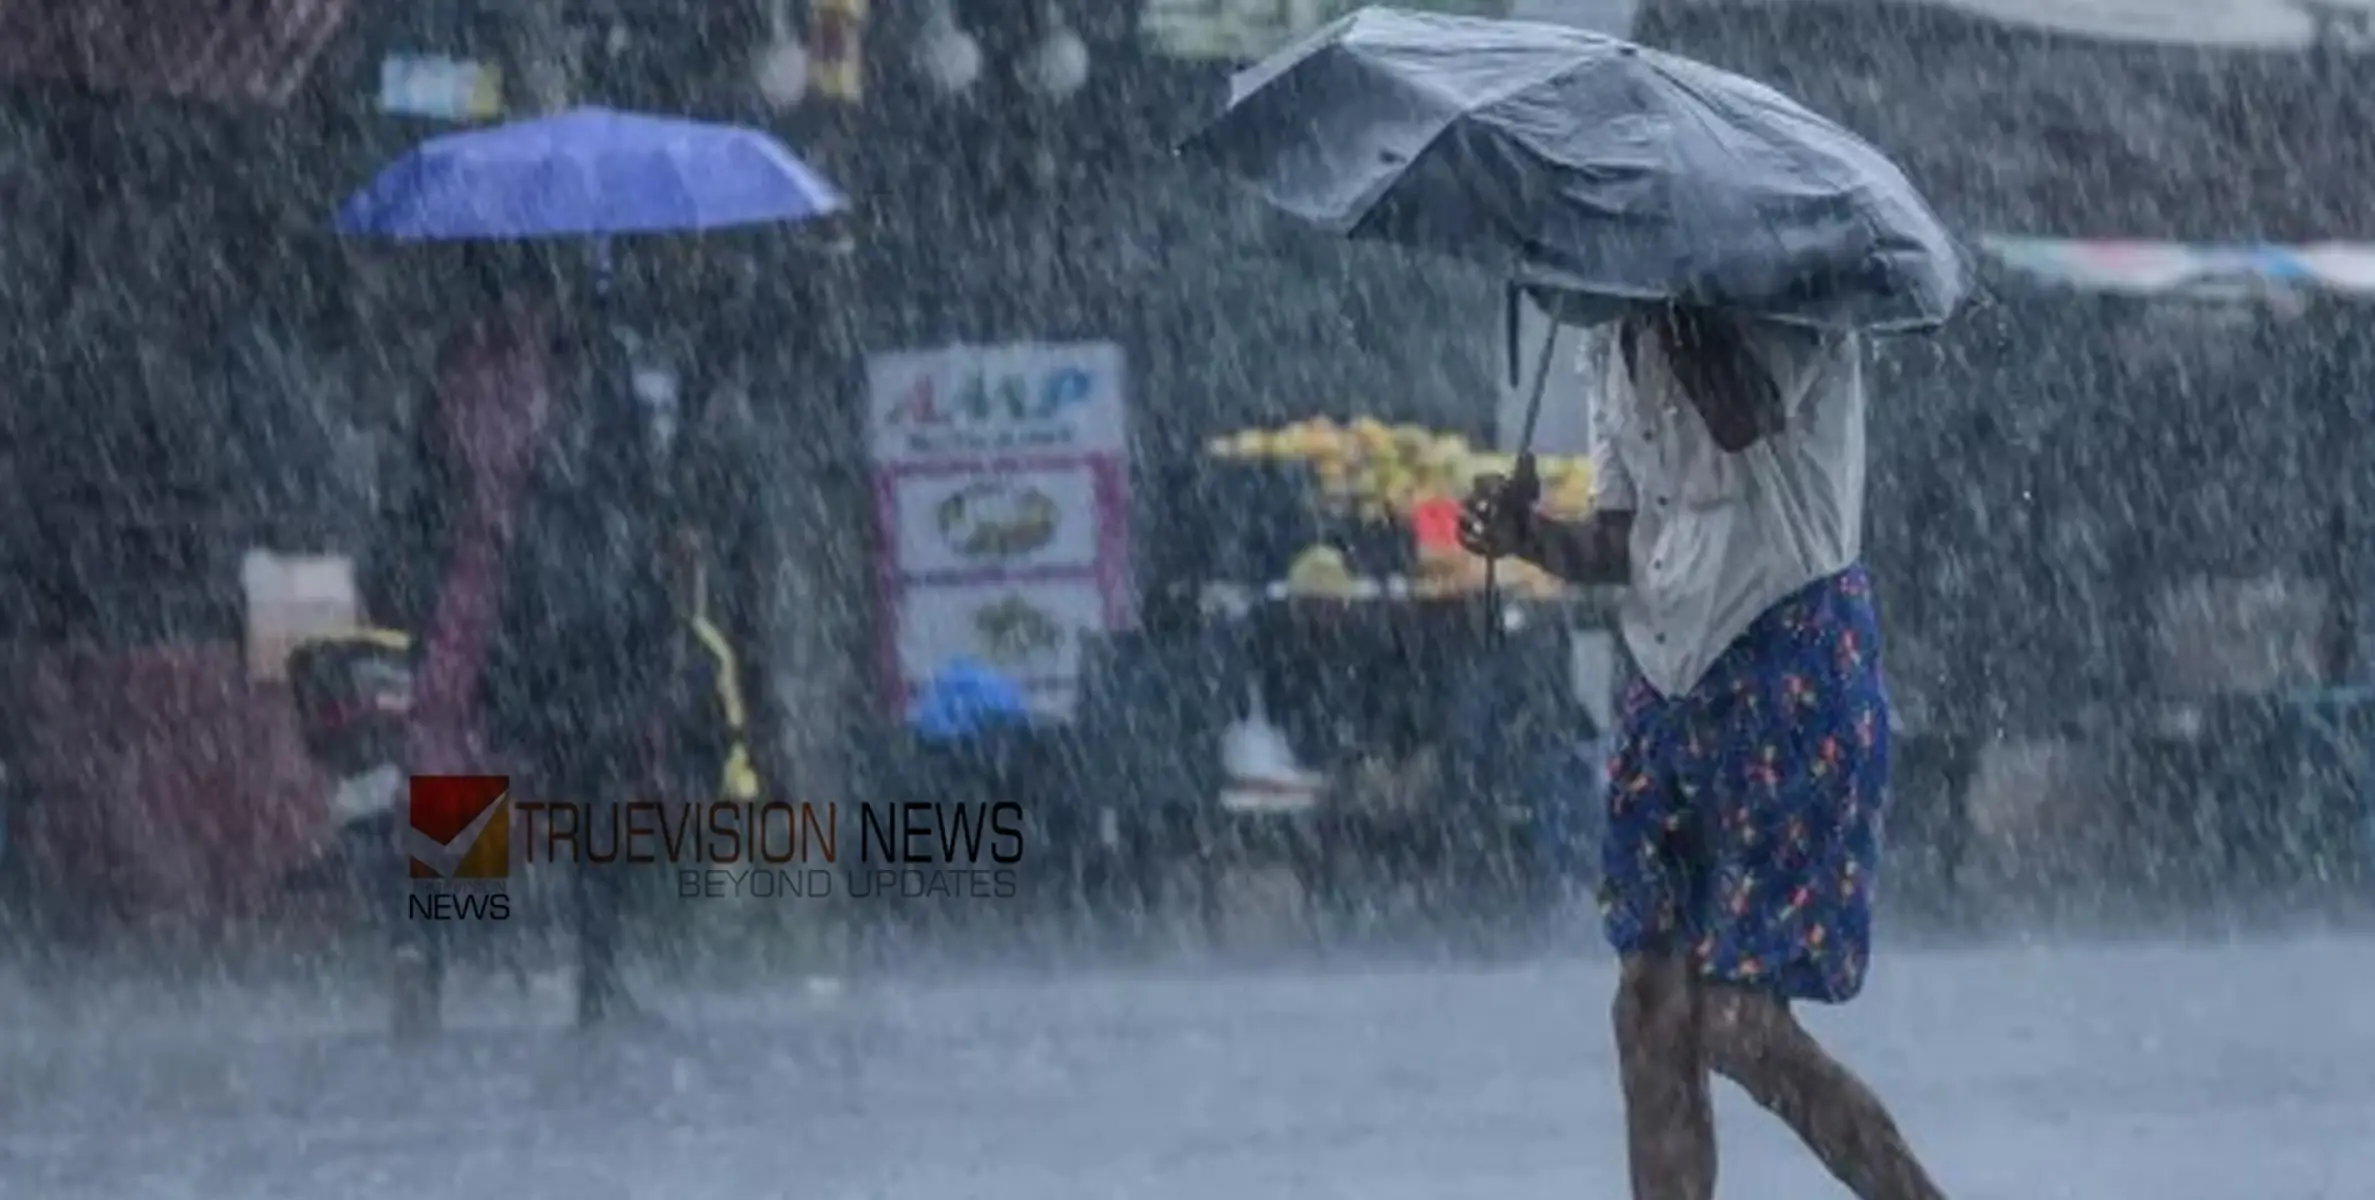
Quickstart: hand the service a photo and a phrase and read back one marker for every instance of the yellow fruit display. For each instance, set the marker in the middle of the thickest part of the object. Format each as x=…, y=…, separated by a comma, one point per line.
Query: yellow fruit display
x=1370, y=469
x=1321, y=571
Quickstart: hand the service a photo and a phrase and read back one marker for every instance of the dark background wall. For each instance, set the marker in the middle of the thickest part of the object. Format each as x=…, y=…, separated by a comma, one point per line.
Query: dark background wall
x=2052, y=462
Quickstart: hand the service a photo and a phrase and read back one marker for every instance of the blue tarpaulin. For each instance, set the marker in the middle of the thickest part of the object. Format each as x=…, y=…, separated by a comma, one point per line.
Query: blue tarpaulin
x=964, y=699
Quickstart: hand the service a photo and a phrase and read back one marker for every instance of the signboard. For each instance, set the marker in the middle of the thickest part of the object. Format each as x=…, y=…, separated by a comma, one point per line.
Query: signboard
x=1029, y=630
x=441, y=88
x=962, y=403
x=291, y=600
x=1002, y=492
x=1244, y=30
x=1017, y=520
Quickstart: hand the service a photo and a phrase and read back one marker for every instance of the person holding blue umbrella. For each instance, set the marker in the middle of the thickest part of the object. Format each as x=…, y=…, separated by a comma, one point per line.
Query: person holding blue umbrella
x=530, y=561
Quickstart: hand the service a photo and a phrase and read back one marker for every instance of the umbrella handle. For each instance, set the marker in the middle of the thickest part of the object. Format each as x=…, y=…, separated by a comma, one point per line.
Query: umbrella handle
x=1513, y=324
x=1525, y=435
x=605, y=269
x=1525, y=487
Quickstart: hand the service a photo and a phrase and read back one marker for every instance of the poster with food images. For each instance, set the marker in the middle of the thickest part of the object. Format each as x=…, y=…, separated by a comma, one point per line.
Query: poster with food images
x=1030, y=632
x=1024, y=519
x=1002, y=493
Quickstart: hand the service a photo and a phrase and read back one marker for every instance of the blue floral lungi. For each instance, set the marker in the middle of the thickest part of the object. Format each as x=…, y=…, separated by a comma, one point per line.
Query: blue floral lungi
x=1744, y=816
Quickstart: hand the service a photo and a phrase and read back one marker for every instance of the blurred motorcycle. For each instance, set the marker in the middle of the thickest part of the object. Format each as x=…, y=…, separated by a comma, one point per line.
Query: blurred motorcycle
x=353, y=696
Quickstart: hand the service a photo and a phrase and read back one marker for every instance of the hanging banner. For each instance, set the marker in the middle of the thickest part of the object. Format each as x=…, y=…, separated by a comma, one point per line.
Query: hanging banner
x=837, y=41
x=2258, y=24
x=440, y=88
x=2174, y=268
x=1002, y=494
x=1244, y=30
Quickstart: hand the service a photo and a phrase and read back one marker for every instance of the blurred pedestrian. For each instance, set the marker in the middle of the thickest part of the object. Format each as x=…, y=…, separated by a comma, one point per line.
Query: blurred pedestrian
x=508, y=548
x=437, y=569
x=1746, y=788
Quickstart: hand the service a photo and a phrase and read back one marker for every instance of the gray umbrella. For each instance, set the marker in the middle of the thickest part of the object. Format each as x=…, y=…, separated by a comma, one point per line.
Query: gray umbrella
x=1593, y=171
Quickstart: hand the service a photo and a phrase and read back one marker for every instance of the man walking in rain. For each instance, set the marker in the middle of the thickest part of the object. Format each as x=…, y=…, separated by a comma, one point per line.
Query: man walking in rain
x=1746, y=790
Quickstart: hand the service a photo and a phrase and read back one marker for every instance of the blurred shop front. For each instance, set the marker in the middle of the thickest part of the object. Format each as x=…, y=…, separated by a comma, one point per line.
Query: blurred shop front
x=208, y=384
x=175, y=403
x=1085, y=316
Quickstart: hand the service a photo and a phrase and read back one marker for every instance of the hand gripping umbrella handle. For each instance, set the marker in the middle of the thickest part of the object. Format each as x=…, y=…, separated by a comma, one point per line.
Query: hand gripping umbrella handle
x=1525, y=488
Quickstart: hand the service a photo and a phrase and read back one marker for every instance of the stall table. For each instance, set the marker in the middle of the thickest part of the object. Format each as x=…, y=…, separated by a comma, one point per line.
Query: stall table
x=1440, y=745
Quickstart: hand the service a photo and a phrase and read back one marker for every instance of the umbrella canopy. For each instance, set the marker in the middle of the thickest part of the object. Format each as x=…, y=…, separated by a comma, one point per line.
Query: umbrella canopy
x=588, y=172
x=1585, y=165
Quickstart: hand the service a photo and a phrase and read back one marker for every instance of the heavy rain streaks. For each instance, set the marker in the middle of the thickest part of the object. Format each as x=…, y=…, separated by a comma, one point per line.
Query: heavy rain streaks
x=962, y=598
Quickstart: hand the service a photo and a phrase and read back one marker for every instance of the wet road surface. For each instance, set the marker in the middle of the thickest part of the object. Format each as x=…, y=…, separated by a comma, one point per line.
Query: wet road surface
x=2161, y=1072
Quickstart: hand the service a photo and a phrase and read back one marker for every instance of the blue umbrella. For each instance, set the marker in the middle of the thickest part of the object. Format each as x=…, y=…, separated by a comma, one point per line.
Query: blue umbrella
x=588, y=172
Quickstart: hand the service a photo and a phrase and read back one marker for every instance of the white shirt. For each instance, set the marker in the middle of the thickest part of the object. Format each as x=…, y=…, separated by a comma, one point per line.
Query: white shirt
x=1718, y=538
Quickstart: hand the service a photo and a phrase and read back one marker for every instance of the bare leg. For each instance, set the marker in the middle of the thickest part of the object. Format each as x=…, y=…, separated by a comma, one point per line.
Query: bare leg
x=1669, y=1112
x=1753, y=1040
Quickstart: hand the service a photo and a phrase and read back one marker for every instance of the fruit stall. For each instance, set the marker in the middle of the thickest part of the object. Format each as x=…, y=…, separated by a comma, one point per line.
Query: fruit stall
x=1325, y=647
x=1375, y=502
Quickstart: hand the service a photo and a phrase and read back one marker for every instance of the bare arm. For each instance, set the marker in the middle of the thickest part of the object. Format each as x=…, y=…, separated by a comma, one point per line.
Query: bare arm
x=1594, y=550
